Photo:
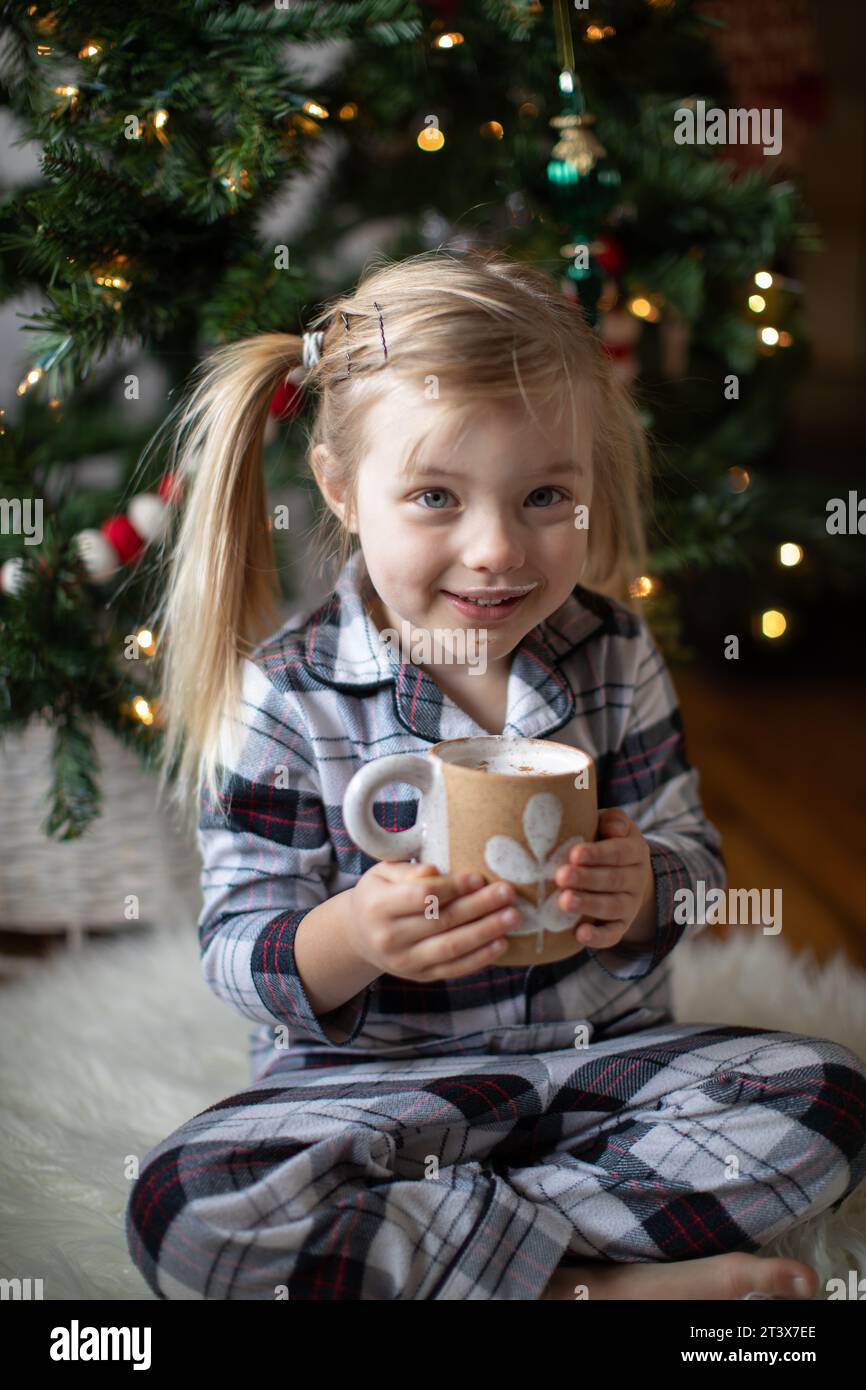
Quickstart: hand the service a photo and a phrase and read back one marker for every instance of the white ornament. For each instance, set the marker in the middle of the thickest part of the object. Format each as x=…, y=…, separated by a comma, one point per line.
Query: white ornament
x=101, y=560
x=542, y=815
x=148, y=515
x=12, y=576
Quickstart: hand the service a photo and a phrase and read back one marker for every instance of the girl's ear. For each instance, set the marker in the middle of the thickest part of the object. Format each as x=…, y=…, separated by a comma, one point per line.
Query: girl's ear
x=323, y=470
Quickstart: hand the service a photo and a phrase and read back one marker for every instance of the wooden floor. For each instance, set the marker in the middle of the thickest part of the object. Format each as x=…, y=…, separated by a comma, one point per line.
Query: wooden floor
x=783, y=776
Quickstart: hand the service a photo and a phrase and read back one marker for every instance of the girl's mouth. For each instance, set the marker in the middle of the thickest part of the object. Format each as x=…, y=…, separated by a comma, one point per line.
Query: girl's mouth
x=488, y=611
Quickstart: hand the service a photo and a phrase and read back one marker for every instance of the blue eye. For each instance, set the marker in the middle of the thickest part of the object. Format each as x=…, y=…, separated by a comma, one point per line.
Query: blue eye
x=549, y=489
x=557, y=495
x=434, y=492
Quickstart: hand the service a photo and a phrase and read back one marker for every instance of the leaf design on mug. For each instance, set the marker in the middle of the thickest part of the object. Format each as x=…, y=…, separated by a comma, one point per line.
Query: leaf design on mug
x=542, y=817
x=509, y=860
x=548, y=917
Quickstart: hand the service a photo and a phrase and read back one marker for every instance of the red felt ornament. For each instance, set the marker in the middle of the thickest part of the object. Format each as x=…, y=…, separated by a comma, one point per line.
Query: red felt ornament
x=120, y=532
x=610, y=254
x=121, y=538
x=170, y=488
x=287, y=401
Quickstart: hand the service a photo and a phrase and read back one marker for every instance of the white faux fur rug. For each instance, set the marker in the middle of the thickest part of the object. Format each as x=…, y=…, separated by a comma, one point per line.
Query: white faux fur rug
x=104, y=1053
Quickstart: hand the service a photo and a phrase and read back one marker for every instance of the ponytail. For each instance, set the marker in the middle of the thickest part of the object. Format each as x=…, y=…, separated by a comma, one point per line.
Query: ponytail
x=221, y=594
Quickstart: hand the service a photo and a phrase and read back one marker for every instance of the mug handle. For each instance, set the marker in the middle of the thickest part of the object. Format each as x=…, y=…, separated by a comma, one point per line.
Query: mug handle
x=415, y=768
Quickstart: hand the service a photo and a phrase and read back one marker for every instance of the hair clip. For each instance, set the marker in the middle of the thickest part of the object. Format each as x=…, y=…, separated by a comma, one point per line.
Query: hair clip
x=345, y=317
x=313, y=347
x=381, y=329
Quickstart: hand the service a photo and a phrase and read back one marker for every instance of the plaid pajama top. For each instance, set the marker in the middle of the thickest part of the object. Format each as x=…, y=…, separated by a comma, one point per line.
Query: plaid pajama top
x=323, y=696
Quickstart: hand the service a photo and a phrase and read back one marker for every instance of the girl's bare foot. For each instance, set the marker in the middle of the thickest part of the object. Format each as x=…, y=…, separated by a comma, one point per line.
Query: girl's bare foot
x=716, y=1276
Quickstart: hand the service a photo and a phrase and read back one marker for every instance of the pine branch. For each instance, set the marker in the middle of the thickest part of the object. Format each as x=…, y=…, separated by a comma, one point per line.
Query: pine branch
x=75, y=798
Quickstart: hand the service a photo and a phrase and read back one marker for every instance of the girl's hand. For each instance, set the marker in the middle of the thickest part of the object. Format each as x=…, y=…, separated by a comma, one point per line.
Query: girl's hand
x=610, y=880
x=411, y=921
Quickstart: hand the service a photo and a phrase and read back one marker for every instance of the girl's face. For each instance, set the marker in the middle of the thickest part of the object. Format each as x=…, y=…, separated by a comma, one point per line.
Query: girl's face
x=494, y=509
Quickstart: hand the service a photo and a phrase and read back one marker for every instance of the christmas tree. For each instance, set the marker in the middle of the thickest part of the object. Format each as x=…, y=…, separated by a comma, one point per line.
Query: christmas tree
x=168, y=137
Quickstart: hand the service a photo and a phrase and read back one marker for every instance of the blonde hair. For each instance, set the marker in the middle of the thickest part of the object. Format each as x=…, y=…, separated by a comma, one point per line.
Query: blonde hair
x=479, y=324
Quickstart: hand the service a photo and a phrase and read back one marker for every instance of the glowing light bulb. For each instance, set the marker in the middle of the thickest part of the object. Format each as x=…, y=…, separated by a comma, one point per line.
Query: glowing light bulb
x=34, y=375
x=142, y=709
x=641, y=587
x=430, y=139
x=738, y=479
x=773, y=623
x=790, y=554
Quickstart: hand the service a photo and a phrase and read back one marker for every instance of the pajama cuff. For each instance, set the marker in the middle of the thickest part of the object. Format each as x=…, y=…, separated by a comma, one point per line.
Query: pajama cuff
x=281, y=988
x=629, y=962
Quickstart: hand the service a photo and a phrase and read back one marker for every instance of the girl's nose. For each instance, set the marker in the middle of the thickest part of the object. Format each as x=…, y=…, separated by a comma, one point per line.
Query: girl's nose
x=493, y=548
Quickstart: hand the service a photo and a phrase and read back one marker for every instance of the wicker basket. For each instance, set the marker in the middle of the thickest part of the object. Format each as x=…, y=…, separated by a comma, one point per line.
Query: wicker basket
x=134, y=848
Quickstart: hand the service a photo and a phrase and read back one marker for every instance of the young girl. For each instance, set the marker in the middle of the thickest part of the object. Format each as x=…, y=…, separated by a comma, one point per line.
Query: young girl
x=422, y=1123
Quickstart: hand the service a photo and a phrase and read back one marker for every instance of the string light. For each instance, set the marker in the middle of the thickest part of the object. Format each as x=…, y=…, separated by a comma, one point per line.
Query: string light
x=738, y=479
x=158, y=120
x=763, y=279
x=313, y=108
x=430, y=139
x=231, y=183
x=35, y=374
x=641, y=587
x=114, y=282
x=757, y=303
x=146, y=640
x=450, y=40
x=142, y=710
x=348, y=111
x=594, y=33
x=769, y=336
x=492, y=130
x=90, y=50
x=773, y=623
x=790, y=554
x=643, y=308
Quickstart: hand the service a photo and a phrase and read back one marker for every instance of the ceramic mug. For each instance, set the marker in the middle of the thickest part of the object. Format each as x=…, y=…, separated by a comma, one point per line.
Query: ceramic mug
x=506, y=807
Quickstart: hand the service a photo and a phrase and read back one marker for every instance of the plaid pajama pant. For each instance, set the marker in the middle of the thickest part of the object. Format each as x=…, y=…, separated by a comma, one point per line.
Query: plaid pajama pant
x=472, y=1176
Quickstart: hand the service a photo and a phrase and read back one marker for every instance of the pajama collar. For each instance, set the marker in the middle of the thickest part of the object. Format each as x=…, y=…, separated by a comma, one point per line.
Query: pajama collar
x=340, y=646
